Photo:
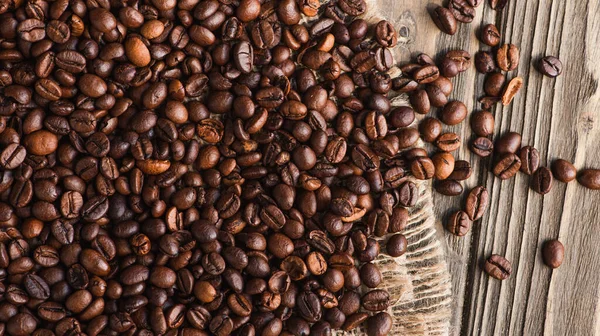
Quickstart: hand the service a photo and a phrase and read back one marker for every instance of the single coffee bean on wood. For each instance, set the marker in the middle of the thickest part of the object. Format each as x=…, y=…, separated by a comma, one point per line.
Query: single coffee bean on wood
x=550, y=66
x=477, y=202
x=444, y=20
x=564, y=170
x=590, y=178
x=507, y=166
x=530, y=159
x=553, y=253
x=497, y=267
x=490, y=35
x=459, y=223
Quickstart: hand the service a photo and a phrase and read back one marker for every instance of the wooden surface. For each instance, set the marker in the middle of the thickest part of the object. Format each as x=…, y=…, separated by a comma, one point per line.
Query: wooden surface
x=560, y=117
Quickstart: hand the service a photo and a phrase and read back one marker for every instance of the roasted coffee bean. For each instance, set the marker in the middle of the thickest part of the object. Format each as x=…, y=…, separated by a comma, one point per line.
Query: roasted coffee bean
x=590, y=178
x=490, y=35
x=507, y=57
x=459, y=223
x=396, y=245
x=484, y=62
x=376, y=300
x=550, y=66
x=541, y=180
x=462, y=171
x=422, y=168
x=508, y=143
x=553, y=253
x=482, y=146
x=379, y=324
x=453, y=113
x=476, y=203
x=462, y=10
x=448, y=142
x=498, y=4
x=462, y=59
x=482, y=123
x=494, y=84
x=444, y=20
x=507, y=166
x=511, y=90
x=530, y=159
x=426, y=74
x=563, y=170
x=420, y=101
x=497, y=267
x=449, y=187
x=430, y=129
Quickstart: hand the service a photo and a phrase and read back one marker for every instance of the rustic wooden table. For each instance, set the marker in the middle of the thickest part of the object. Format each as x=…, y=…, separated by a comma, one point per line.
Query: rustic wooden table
x=560, y=117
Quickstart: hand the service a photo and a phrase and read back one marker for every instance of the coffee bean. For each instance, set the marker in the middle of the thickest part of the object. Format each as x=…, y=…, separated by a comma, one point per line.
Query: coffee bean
x=426, y=74
x=12, y=156
x=511, y=90
x=490, y=35
x=482, y=123
x=444, y=20
x=459, y=223
x=494, y=84
x=430, y=129
x=530, y=159
x=462, y=170
x=482, y=146
x=462, y=10
x=448, y=142
x=507, y=166
x=553, y=253
x=541, y=181
x=462, y=59
x=449, y=188
x=379, y=324
x=508, y=143
x=420, y=101
x=422, y=168
x=453, y=113
x=507, y=57
x=476, y=203
x=376, y=300
x=484, y=62
x=590, y=178
x=498, y=267
x=550, y=66
x=396, y=245
x=498, y=4
x=563, y=170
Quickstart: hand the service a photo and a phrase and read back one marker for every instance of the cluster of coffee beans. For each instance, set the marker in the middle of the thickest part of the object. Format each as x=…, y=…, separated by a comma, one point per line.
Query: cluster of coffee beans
x=202, y=167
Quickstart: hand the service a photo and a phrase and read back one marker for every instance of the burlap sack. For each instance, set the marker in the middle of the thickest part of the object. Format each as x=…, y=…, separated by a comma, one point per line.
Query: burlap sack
x=418, y=282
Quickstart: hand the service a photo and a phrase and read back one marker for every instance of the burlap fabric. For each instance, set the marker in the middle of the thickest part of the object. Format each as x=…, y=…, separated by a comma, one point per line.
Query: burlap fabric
x=418, y=282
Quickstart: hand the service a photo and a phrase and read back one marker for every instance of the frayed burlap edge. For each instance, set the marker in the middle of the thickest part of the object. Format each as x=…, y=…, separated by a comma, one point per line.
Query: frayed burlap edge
x=418, y=282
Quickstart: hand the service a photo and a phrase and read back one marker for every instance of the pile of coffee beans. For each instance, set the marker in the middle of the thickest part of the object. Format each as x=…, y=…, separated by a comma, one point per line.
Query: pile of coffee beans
x=203, y=167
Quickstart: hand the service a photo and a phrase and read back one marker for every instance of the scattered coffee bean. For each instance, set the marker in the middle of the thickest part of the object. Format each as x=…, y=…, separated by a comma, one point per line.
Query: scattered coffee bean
x=590, y=178
x=449, y=187
x=564, y=170
x=462, y=170
x=508, y=143
x=459, y=223
x=490, y=35
x=477, y=202
x=507, y=57
x=511, y=90
x=484, y=62
x=507, y=166
x=498, y=267
x=553, y=253
x=541, y=180
x=530, y=159
x=482, y=146
x=444, y=20
x=482, y=123
x=550, y=66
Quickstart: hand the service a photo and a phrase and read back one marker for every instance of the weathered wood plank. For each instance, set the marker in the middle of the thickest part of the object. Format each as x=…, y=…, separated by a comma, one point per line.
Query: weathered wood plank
x=559, y=117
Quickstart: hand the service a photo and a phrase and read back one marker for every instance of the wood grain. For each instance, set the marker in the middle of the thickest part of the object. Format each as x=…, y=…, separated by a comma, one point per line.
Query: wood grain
x=560, y=118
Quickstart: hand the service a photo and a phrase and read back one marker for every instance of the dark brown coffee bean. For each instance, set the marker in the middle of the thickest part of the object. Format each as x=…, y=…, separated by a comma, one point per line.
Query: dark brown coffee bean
x=12, y=156
x=376, y=300
x=590, y=178
x=482, y=123
x=498, y=267
x=453, y=113
x=462, y=170
x=550, y=66
x=36, y=287
x=462, y=59
x=494, y=84
x=563, y=170
x=430, y=129
x=484, y=62
x=379, y=324
x=462, y=10
x=444, y=20
x=449, y=187
x=448, y=142
x=476, y=203
x=530, y=159
x=426, y=74
x=498, y=4
x=409, y=194
x=459, y=223
x=490, y=35
x=541, y=181
x=420, y=101
x=482, y=146
x=422, y=168
x=553, y=253
x=508, y=143
x=507, y=166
